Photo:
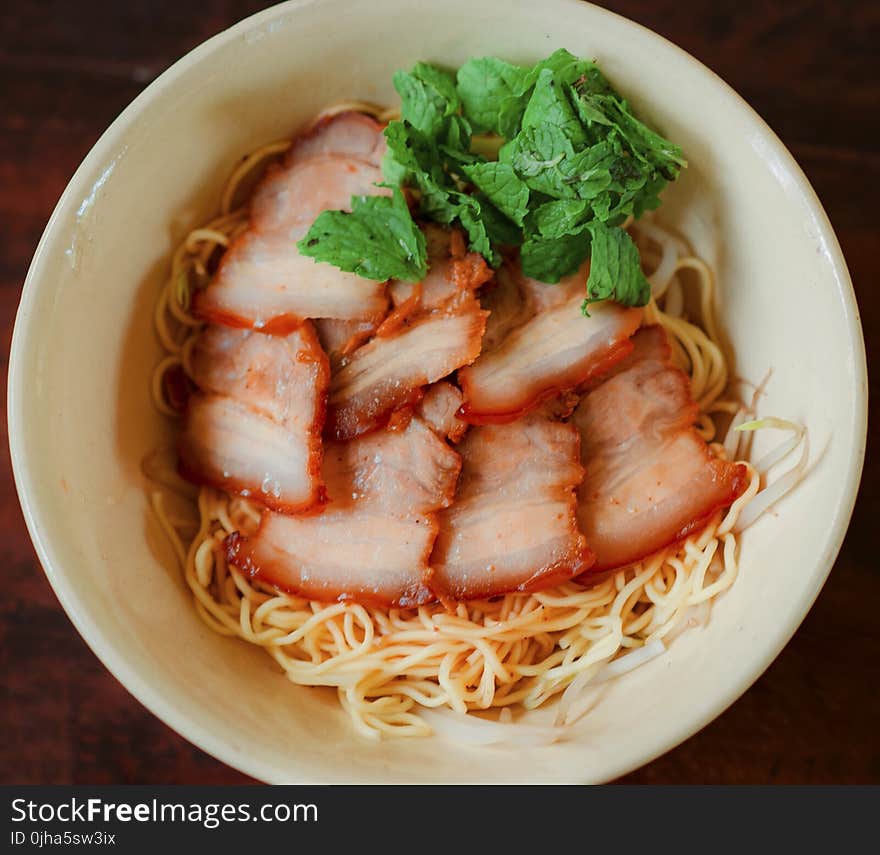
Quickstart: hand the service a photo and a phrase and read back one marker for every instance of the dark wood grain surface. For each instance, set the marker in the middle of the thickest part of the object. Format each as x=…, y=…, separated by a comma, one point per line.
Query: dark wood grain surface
x=811, y=69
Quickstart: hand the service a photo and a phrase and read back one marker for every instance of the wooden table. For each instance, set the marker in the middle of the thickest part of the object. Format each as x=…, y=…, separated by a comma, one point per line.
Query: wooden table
x=809, y=68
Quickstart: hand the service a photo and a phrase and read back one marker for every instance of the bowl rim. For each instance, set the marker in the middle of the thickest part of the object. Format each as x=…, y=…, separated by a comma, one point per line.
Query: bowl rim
x=168, y=710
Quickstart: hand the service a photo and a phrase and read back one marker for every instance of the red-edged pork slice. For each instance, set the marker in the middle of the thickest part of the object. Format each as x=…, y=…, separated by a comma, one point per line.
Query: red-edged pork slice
x=227, y=445
x=255, y=428
x=439, y=409
x=507, y=306
x=341, y=338
x=362, y=557
x=348, y=134
x=288, y=199
x=649, y=344
x=554, y=351
x=283, y=377
x=513, y=299
x=389, y=371
x=263, y=282
x=451, y=270
x=338, y=157
x=650, y=479
x=397, y=472
x=542, y=296
x=372, y=542
x=513, y=524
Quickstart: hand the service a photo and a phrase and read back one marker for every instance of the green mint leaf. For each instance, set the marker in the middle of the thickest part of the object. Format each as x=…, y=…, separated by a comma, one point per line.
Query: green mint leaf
x=455, y=138
x=507, y=151
x=593, y=170
x=615, y=269
x=408, y=151
x=394, y=171
x=648, y=198
x=550, y=259
x=501, y=185
x=547, y=162
x=538, y=156
x=566, y=67
x=561, y=217
x=430, y=164
x=500, y=230
x=428, y=96
x=439, y=198
x=603, y=113
x=440, y=204
x=413, y=158
x=377, y=240
x=486, y=227
x=549, y=106
x=492, y=92
x=470, y=215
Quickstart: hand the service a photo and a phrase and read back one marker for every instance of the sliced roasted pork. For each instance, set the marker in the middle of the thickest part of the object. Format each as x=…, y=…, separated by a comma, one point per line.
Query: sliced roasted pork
x=372, y=542
x=650, y=478
x=451, y=270
x=513, y=524
x=341, y=338
x=254, y=428
x=263, y=282
x=439, y=409
x=289, y=198
x=227, y=445
x=346, y=134
x=556, y=349
x=389, y=371
x=508, y=307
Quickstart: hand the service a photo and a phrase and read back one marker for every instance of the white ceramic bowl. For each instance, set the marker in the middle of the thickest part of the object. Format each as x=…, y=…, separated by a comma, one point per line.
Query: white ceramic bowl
x=81, y=418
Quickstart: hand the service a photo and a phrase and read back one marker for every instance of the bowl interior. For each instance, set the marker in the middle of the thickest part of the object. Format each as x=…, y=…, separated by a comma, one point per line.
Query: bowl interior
x=81, y=418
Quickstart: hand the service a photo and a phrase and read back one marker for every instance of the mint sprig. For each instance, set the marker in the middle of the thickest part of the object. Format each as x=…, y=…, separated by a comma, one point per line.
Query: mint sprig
x=574, y=164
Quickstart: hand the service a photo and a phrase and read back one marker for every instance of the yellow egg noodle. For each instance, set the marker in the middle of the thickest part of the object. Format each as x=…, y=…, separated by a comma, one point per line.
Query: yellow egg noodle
x=389, y=665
